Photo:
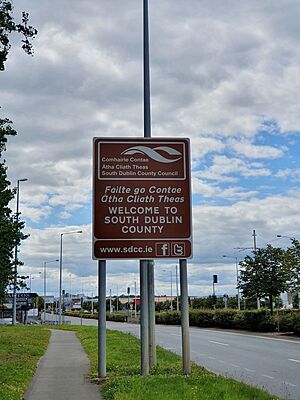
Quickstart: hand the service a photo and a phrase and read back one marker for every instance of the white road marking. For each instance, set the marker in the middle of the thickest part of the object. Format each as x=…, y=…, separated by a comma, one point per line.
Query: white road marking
x=267, y=376
x=221, y=361
x=222, y=344
x=236, y=366
x=291, y=359
x=290, y=384
x=249, y=370
x=194, y=329
x=211, y=358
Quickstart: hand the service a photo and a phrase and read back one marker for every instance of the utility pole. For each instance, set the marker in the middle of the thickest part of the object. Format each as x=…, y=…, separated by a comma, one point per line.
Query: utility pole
x=254, y=239
x=254, y=247
x=14, y=316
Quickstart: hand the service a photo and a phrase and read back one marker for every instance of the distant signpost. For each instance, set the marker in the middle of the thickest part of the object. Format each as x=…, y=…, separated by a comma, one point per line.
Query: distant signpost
x=142, y=203
x=23, y=299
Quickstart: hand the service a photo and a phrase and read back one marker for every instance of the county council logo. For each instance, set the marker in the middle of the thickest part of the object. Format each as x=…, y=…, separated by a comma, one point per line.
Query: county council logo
x=154, y=153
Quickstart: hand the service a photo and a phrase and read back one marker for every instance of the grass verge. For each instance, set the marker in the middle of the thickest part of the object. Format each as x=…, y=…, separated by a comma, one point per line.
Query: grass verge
x=20, y=349
x=166, y=381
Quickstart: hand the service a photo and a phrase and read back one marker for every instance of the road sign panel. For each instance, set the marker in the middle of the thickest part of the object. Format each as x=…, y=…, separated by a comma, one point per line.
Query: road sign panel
x=26, y=295
x=141, y=198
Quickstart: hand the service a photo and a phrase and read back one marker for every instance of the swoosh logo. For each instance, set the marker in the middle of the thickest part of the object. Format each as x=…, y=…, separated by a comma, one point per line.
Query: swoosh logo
x=153, y=153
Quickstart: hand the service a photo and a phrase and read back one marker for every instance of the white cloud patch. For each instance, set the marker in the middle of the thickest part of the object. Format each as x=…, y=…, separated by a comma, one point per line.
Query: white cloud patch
x=226, y=169
x=251, y=151
x=293, y=174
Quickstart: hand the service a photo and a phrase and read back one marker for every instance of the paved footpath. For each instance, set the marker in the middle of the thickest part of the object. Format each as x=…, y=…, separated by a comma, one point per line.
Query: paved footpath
x=62, y=373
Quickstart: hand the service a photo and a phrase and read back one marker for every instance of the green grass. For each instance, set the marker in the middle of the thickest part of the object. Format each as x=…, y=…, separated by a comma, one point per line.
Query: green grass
x=166, y=381
x=20, y=349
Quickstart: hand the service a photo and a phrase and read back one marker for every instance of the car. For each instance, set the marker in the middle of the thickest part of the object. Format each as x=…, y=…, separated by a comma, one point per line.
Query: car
x=5, y=321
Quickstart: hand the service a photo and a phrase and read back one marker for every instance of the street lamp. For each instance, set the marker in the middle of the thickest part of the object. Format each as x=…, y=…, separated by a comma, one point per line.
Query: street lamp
x=237, y=280
x=283, y=236
x=14, y=318
x=31, y=278
x=45, y=263
x=60, y=268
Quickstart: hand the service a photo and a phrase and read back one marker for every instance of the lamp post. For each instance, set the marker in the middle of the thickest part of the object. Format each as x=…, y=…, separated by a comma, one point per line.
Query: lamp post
x=283, y=236
x=290, y=238
x=14, y=318
x=61, y=267
x=45, y=277
x=237, y=280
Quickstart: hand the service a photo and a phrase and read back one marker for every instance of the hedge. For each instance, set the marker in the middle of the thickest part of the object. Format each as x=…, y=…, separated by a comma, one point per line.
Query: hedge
x=117, y=317
x=251, y=320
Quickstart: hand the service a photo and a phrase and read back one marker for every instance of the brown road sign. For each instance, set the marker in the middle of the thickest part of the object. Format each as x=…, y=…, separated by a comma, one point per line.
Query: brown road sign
x=142, y=202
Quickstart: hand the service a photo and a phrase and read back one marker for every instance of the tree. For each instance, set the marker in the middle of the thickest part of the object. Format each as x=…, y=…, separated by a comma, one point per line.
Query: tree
x=266, y=274
x=293, y=254
x=8, y=25
x=10, y=229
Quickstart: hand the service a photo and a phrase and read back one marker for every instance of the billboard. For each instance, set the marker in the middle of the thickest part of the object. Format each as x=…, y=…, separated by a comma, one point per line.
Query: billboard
x=142, y=202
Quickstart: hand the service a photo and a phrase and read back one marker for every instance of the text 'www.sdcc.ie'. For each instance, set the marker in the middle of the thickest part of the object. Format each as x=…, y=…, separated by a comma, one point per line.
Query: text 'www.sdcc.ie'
x=130, y=249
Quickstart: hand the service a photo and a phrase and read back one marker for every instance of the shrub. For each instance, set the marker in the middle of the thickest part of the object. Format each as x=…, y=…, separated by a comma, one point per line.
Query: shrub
x=168, y=318
x=297, y=323
x=120, y=317
x=202, y=318
x=286, y=321
x=224, y=318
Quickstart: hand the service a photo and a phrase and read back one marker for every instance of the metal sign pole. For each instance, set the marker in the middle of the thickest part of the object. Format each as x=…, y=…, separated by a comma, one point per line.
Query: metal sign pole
x=185, y=318
x=102, y=319
x=147, y=133
x=152, y=347
x=144, y=317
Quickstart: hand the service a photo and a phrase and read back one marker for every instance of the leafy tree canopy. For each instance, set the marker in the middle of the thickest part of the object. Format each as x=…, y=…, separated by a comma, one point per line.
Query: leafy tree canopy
x=10, y=227
x=266, y=274
x=8, y=26
x=293, y=255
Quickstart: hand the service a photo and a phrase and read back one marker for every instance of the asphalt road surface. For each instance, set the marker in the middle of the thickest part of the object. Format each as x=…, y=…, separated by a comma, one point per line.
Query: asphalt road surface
x=271, y=363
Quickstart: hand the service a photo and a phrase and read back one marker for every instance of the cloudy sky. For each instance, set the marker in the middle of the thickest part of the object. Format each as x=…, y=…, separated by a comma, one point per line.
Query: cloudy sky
x=226, y=74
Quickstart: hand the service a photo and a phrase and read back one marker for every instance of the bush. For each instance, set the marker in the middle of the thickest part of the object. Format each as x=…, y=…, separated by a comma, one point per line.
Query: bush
x=286, y=320
x=258, y=320
x=224, y=318
x=202, y=318
x=168, y=318
x=120, y=317
x=297, y=323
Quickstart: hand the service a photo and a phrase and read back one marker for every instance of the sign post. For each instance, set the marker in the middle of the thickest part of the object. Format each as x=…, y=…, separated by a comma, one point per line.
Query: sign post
x=142, y=207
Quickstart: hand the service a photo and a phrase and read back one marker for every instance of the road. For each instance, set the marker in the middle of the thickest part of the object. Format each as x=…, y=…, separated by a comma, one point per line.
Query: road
x=268, y=362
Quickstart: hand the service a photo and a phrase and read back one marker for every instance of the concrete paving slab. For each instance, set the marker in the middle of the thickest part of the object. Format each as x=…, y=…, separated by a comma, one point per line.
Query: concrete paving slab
x=62, y=373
